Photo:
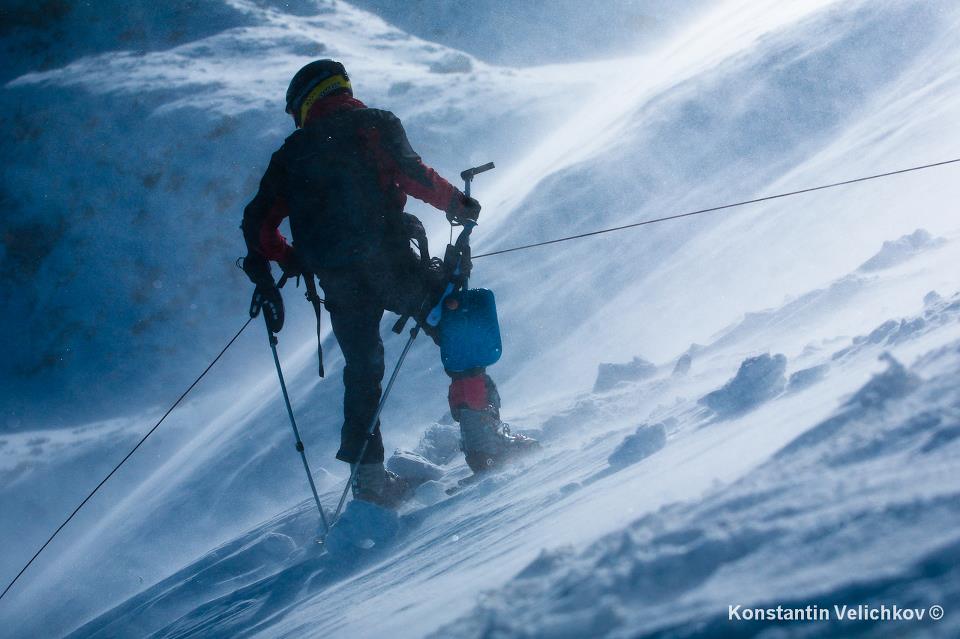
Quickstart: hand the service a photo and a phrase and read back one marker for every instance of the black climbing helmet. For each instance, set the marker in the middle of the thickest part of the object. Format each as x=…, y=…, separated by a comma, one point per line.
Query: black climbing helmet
x=318, y=79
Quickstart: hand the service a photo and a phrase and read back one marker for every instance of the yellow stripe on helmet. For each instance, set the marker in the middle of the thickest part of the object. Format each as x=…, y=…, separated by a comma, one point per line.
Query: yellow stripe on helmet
x=326, y=87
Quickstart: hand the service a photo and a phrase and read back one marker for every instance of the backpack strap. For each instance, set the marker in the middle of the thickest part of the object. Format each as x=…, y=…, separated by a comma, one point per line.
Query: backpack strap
x=413, y=230
x=317, y=302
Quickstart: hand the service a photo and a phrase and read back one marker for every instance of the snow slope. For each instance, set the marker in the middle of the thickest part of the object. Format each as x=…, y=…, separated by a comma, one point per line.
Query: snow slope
x=749, y=99
x=617, y=547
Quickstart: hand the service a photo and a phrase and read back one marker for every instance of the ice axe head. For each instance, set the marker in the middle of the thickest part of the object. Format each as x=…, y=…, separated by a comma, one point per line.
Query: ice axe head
x=468, y=175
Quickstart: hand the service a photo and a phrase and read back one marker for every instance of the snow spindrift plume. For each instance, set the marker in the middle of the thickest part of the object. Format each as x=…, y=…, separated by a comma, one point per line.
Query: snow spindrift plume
x=823, y=328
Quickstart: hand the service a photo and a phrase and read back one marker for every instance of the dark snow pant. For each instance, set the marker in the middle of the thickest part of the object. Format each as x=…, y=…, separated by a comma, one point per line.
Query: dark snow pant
x=357, y=299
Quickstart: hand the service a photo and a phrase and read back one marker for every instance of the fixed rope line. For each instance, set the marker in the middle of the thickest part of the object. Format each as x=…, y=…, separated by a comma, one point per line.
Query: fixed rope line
x=714, y=208
x=128, y=455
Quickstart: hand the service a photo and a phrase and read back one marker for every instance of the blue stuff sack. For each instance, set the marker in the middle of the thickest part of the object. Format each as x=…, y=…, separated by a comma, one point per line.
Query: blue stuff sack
x=469, y=330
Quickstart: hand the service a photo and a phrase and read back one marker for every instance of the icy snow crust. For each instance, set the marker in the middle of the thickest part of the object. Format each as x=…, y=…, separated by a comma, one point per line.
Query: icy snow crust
x=861, y=508
x=850, y=501
x=648, y=511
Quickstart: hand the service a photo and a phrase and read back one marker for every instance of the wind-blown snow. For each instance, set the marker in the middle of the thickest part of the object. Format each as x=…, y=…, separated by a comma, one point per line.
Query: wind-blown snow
x=815, y=473
x=124, y=178
x=892, y=253
x=609, y=375
x=790, y=533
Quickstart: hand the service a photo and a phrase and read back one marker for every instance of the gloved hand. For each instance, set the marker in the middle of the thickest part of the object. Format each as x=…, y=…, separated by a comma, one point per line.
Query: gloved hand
x=291, y=266
x=257, y=269
x=268, y=298
x=463, y=209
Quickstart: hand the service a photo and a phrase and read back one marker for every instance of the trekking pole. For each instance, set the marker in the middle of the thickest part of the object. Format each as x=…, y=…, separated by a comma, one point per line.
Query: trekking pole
x=293, y=422
x=373, y=422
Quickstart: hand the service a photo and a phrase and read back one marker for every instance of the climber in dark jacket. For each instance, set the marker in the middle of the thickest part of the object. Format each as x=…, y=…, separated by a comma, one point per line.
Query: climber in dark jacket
x=343, y=178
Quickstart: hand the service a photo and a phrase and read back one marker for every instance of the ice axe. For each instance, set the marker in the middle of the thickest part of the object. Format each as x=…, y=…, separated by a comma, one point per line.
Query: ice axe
x=457, y=253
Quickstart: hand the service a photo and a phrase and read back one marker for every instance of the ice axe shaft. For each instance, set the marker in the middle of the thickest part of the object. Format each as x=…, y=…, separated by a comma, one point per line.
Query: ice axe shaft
x=462, y=246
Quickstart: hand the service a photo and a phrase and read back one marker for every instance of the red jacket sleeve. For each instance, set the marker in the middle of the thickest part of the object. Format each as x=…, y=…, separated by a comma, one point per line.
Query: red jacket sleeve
x=272, y=243
x=264, y=214
x=415, y=178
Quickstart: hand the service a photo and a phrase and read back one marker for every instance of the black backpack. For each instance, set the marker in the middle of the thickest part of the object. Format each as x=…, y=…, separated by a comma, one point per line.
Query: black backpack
x=340, y=214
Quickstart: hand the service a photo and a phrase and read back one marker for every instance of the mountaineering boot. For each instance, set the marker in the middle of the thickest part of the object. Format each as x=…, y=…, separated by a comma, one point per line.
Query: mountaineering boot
x=487, y=443
x=379, y=486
